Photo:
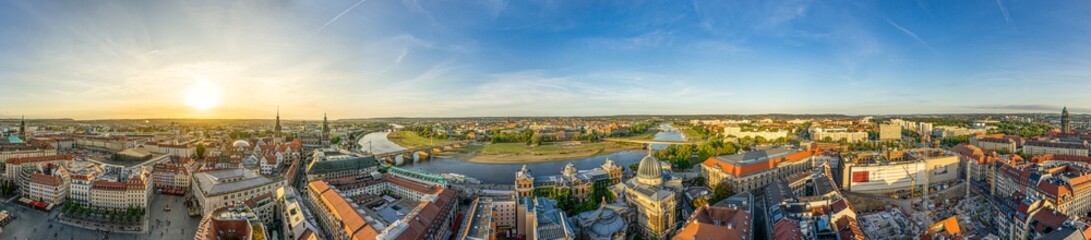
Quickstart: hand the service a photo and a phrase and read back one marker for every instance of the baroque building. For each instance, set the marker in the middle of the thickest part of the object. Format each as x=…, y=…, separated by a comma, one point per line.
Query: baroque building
x=655, y=195
x=580, y=182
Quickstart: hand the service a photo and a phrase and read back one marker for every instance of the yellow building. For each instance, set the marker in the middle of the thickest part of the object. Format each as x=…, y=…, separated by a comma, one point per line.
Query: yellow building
x=655, y=196
x=580, y=182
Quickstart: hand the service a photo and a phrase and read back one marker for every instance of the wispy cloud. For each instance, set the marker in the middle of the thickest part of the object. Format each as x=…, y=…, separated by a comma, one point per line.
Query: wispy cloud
x=1003, y=10
x=652, y=39
x=911, y=34
x=327, y=24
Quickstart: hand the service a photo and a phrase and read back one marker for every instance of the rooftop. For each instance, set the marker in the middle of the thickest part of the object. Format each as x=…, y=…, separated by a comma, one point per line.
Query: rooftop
x=228, y=180
x=748, y=163
x=341, y=164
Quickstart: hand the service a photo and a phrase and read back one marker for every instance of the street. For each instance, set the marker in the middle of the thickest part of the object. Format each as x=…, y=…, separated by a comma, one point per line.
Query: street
x=35, y=224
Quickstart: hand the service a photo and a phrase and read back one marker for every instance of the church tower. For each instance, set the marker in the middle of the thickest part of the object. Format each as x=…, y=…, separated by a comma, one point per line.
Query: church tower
x=325, y=130
x=23, y=128
x=1064, y=120
x=276, y=129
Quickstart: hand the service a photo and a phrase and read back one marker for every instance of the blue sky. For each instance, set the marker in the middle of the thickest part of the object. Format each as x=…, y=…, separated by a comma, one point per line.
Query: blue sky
x=382, y=58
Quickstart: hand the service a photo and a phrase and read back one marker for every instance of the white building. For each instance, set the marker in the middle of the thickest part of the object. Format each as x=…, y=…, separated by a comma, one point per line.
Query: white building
x=838, y=134
x=122, y=188
x=295, y=217
x=80, y=188
x=48, y=184
x=221, y=188
x=768, y=135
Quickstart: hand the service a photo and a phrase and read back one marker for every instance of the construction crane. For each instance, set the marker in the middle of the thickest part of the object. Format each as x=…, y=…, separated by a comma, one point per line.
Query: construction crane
x=912, y=186
x=912, y=182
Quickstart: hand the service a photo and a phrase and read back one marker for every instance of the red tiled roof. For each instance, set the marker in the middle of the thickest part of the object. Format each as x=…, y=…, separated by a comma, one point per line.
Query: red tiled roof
x=108, y=185
x=849, y=228
x=787, y=229
x=1054, y=191
x=756, y=167
x=703, y=224
x=1048, y=218
x=270, y=159
x=49, y=180
x=22, y=160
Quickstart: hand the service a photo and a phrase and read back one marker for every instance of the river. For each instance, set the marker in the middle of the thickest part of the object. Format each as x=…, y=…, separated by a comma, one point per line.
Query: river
x=505, y=173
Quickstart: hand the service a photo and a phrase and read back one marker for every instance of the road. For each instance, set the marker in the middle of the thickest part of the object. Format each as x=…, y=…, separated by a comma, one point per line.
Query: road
x=34, y=224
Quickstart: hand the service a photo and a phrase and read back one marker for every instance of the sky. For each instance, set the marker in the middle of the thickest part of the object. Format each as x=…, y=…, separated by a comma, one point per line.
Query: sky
x=412, y=58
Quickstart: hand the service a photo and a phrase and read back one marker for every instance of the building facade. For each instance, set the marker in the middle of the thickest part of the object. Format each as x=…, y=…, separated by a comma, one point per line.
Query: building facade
x=890, y=132
x=48, y=184
x=1057, y=148
x=656, y=197
x=226, y=187
x=579, y=182
x=752, y=170
x=898, y=170
x=338, y=215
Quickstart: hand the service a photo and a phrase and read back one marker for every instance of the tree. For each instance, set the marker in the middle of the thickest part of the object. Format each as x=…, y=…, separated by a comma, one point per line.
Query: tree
x=335, y=140
x=201, y=151
x=721, y=192
x=700, y=202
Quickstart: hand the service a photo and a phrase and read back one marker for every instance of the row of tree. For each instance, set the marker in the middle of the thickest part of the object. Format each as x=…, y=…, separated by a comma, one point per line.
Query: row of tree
x=129, y=215
x=685, y=156
x=1022, y=129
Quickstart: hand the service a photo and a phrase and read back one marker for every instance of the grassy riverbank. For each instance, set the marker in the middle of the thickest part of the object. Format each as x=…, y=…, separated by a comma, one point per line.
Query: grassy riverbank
x=410, y=139
x=509, y=153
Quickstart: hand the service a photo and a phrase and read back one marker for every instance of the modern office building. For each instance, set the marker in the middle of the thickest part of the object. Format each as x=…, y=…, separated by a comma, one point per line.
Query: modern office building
x=884, y=172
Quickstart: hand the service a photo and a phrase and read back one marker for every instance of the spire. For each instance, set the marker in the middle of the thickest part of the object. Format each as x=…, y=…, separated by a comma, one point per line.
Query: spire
x=23, y=127
x=277, y=128
x=325, y=123
x=325, y=129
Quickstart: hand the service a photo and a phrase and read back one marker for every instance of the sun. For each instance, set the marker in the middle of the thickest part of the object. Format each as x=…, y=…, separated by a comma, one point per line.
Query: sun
x=203, y=96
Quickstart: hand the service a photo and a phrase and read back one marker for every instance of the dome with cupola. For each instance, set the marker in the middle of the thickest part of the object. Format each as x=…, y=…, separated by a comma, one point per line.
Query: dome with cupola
x=650, y=172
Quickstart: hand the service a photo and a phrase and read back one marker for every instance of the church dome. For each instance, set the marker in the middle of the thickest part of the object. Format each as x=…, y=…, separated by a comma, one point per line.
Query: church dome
x=240, y=144
x=569, y=170
x=650, y=172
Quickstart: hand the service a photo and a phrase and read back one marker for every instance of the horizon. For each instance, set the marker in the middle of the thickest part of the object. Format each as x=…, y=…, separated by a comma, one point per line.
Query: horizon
x=419, y=59
x=572, y=116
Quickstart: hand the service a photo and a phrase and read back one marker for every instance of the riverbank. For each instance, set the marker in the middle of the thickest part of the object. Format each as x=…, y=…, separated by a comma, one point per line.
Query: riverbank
x=518, y=153
x=410, y=139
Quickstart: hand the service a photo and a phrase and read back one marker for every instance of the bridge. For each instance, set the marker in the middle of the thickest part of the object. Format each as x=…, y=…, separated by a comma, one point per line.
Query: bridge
x=425, y=150
x=622, y=140
x=356, y=134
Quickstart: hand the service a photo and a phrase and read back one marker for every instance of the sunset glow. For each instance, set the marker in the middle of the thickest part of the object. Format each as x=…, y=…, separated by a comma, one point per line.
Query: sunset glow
x=203, y=96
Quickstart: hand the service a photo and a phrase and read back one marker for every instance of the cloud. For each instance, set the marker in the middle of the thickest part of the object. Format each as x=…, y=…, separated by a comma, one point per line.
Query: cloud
x=1004, y=11
x=1031, y=108
x=911, y=34
x=545, y=93
x=337, y=17
x=651, y=39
